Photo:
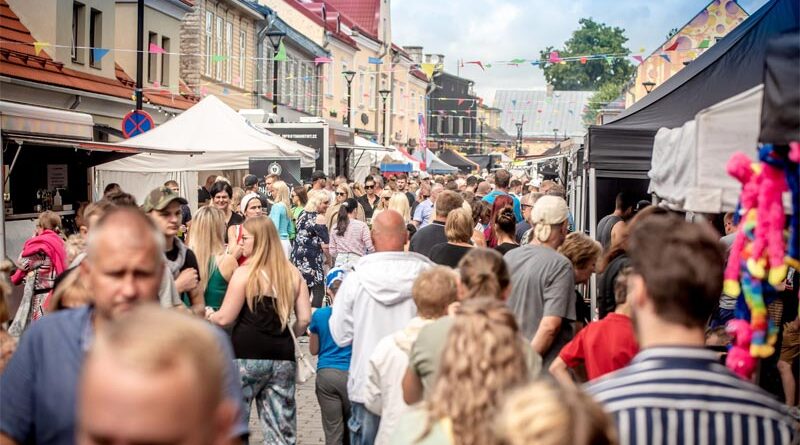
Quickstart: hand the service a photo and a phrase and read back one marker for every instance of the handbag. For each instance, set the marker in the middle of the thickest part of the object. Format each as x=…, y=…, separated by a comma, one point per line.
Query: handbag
x=304, y=368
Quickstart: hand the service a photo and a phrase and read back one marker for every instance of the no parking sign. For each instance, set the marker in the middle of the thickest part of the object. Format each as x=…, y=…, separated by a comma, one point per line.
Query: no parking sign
x=136, y=122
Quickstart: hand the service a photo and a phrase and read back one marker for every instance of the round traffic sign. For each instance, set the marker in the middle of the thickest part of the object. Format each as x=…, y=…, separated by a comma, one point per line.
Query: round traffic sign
x=136, y=122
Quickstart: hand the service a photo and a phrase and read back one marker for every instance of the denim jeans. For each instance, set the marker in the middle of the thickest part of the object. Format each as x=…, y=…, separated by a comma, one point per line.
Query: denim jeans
x=363, y=425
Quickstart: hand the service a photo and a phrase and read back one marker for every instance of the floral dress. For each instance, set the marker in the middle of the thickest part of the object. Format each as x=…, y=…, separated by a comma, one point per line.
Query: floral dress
x=307, y=252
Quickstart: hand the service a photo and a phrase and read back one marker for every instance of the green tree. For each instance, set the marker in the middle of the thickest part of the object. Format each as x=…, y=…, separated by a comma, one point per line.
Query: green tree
x=590, y=39
x=599, y=100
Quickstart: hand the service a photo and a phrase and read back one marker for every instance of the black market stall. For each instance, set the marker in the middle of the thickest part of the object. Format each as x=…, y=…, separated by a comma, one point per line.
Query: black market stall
x=458, y=161
x=619, y=153
x=46, y=157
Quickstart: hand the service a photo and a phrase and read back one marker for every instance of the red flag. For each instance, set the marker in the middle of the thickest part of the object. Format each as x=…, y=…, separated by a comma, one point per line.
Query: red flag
x=460, y=101
x=476, y=62
x=673, y=47
x=583, y=60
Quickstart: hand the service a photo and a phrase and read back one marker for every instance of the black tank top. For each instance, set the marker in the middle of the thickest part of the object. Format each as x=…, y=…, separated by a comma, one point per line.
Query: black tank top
x=258, y=335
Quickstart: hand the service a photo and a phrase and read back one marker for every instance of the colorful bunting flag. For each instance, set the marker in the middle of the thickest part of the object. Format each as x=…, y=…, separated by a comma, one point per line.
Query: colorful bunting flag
x=642, y=49
x=321, y=60
x=666, y=57
x=236, y=79
x=225, y=91
x=513, y=102
x=218, y=58
x=476, y=62
x=99, y=53
x=155, y=49
x=280, y=56
x=460, y=101
x=704, y=44
x=37, y=46
x=516, y=61
x=535, y=63
x=638, y=59
x=375, y=61
x=554, y=57
x=156, y=84
x=203, y=91
x=673, y=47
x=583, y=60
x=488, y=65
x=428, y=68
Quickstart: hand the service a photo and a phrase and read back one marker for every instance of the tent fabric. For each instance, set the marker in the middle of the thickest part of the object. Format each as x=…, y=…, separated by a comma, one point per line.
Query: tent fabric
x=456, y=160
x=780, y=116
x=731, y=66
x=689, y=162
x=434, y=164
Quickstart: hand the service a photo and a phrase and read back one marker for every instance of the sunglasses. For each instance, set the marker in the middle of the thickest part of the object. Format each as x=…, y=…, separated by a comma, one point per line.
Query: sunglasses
x=369, y=187
x=386, y=198
x=340, y=194
x=426, y=196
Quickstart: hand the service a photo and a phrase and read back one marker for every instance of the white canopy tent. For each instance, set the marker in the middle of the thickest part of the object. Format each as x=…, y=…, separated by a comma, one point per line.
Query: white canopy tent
x=689, y=163
x=363, y=159
x=224, y=139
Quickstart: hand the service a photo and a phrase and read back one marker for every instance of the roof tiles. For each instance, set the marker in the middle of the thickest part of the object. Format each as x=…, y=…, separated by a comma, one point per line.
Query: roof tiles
x=365, y=13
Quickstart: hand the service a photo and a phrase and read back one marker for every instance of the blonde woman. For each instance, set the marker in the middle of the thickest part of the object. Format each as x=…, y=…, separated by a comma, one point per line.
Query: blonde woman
x=236, y=200
x=458, y=229
x=215, y=266
x=343, y=192
x=399, y=206
x=259, y=302
x=383, y=202
x=482, y=359
x=544, y=413
x=308, y=252
x=281, y=214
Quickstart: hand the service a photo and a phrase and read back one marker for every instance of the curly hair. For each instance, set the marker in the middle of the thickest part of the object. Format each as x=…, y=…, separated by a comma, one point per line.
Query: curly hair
x=482, y=359
x=580, y=250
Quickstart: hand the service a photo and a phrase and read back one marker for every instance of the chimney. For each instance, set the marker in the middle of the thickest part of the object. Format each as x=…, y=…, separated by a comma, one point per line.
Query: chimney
x=415, y=52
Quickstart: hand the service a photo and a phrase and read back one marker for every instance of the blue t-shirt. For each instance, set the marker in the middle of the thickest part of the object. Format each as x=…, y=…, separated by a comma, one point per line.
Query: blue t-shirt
x=424, y=213
x=517, y=207
x=330, y=355
x=39, y=397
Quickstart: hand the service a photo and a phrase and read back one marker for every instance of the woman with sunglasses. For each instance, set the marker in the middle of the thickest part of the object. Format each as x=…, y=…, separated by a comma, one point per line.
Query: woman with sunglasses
x=343, y=192
x=383, y=202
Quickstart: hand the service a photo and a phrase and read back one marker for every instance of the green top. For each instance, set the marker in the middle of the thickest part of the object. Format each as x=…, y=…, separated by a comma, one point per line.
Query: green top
x=216, y=288
x=295, y=214
x=413, y=423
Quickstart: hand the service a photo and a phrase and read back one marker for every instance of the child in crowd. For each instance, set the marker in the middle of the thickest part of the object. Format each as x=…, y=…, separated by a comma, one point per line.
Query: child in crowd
x=603, y=346
x=434, y=291
x=332, y=367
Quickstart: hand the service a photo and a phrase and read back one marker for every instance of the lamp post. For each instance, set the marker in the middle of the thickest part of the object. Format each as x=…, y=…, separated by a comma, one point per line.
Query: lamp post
x=384, y=95
x=555, y=135
x=519, y=137
x=275, y=38
x=648, y=86
x=482, y=119
x=348, y=76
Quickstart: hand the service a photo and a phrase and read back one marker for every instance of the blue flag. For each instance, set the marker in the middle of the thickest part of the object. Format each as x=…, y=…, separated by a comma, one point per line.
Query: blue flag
x=99, y=53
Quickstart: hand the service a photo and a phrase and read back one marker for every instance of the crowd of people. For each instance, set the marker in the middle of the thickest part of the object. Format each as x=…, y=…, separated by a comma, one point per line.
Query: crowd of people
x=446, y=310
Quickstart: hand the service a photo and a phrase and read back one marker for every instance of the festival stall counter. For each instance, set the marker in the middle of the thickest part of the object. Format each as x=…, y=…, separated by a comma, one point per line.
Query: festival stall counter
x=209, y=137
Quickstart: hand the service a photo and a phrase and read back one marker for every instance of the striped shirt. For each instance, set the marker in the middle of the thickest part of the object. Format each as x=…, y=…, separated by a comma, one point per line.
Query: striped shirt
x=356, y=239
x=683, y=395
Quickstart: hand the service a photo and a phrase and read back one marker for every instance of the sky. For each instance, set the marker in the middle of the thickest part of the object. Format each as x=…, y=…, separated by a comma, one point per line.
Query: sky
x=493, y=30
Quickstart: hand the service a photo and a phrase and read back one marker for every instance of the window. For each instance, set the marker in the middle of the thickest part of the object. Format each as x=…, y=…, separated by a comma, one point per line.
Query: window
x=291, y=78
x=165, y=43
x=460, y=126
x=361, y=90
x=329, y=69
x=228, y=52
x=301, y=86
x=344, y=81
x=219, y=32
x=242, y=54
x=372, y=96
x=95, y=35
x=439, y=124
x=152, y=58
x=78, y=32
x=404, y=101
x=209, y=40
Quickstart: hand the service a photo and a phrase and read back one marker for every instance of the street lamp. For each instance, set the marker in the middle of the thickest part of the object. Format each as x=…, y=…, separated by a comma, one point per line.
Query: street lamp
x=384, y=95
x=648, y=86
x=348, y=76
x=482, y=119
x=555, y=135
x=519, y=138
x=275, y=38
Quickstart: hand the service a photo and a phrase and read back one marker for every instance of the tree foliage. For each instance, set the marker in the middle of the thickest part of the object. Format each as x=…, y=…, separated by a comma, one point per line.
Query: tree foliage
x=599, y=100
x=590, y=39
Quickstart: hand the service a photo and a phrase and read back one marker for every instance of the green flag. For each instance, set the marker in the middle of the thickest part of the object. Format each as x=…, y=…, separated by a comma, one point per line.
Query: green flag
x=704, y=44
x=218, y=58
x=281, y=55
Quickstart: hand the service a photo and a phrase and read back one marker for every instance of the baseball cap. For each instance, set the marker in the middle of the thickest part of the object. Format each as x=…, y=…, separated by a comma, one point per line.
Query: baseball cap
x=250, y=180
x=334, y=275
x=549, y=210
x=317, y=175
x=160, y=198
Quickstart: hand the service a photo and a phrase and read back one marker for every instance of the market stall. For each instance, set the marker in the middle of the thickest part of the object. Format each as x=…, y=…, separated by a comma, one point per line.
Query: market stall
x=433, y=164
x=224, y=140
x=458, y=161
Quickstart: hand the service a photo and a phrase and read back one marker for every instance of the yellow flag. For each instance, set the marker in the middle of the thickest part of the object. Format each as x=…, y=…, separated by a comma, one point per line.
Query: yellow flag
x=37, y=46
x=428, y=68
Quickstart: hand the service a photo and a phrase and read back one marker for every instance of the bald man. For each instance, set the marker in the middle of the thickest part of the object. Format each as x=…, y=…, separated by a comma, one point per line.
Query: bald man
x=132, y=392
x=374, y=301
x=123, y=268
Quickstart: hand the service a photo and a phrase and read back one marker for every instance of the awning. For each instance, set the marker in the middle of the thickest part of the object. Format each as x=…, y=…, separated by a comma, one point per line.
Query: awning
x=41, y=121
x=396, y=168
x=458, y=161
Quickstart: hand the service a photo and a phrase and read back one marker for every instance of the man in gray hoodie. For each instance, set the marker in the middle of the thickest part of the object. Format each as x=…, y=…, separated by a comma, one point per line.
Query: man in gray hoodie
x=373, y=302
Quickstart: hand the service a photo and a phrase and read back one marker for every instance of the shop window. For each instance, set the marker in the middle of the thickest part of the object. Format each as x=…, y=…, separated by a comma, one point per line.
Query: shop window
x=77, y=49
x=95, y=36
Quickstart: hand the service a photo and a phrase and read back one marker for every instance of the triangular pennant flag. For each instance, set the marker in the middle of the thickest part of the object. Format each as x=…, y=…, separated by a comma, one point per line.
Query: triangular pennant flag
x=225, y=91
x=236, y=79
x=37, y=46
x=476, y=62
x=666, y=57
x=554, y=57
x=583, y=60
x=705, y=43
x=460, y=101
x=609, y=59
x=638, y=59
x=218, y=58
x=155, y=49
x=642, y=49
x=516, y=61
x=513, y=102
x=320, y=60
x=672, y=47
x=375, y=61
x=535, y=63
x=99, y=53
x=281, y=54
x=203, y=91
x=156, y=84
x=488, y=65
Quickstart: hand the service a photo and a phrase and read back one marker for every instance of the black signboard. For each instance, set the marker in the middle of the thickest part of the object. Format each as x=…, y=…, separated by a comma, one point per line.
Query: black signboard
x=287, y=168
x=313, y=137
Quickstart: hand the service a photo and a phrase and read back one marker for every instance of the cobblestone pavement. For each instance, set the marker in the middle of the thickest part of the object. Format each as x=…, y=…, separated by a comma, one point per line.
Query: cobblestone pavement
x=309, y=425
